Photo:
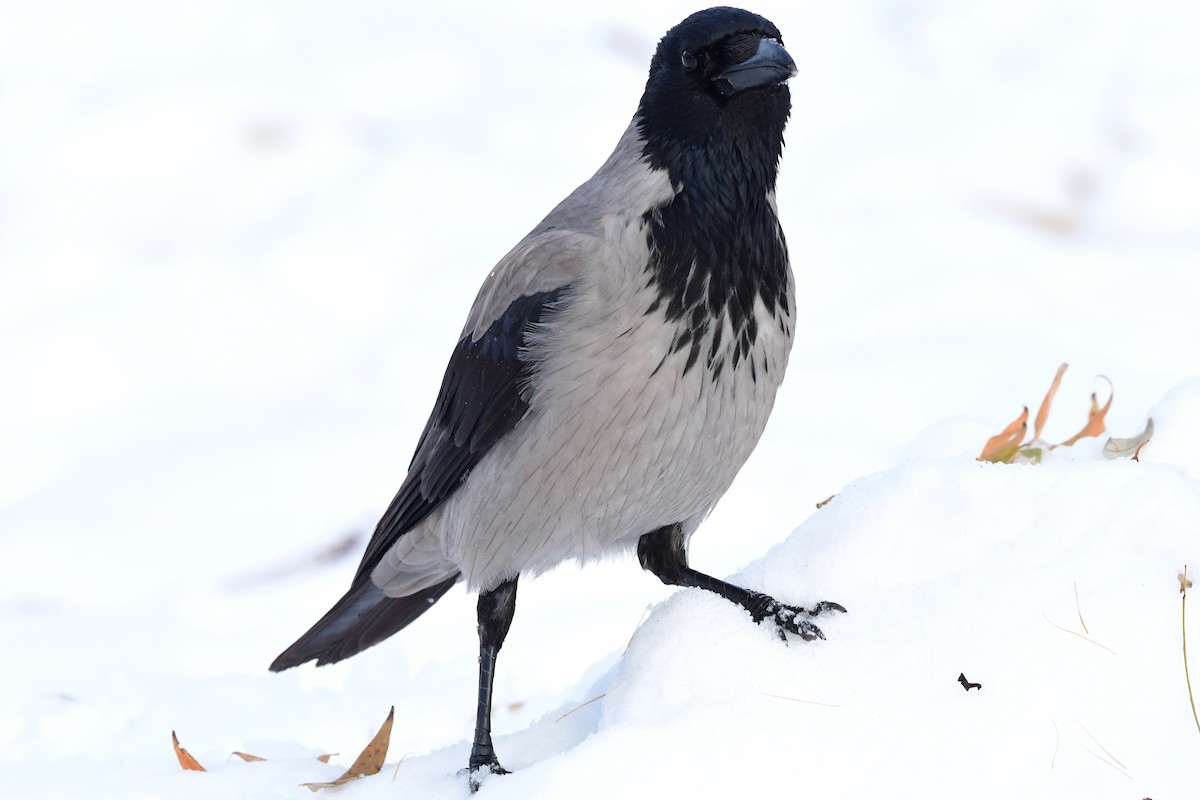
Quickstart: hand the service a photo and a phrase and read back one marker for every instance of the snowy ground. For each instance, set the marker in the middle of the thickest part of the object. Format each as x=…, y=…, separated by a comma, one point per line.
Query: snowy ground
x=237, y=243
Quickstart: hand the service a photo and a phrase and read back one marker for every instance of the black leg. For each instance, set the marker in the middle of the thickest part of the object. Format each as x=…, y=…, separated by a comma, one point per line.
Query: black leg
x=495, y=610
x=662, y=553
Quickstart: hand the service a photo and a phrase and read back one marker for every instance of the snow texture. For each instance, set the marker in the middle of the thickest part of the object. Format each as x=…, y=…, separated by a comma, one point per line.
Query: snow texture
x=237, y=244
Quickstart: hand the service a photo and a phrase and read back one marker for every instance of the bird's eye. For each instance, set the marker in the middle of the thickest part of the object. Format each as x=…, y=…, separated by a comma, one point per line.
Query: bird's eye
x=688, y=59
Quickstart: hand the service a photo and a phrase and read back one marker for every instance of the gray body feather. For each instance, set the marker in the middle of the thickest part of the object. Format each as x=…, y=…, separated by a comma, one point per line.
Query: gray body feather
x=619, y=438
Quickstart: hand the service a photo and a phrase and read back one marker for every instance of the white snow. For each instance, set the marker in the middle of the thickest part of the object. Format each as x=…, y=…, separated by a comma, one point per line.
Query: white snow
x=237, y=243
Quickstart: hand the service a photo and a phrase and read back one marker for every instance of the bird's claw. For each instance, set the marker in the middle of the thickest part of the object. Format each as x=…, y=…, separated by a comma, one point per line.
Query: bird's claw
x=822, y=607
x=790, y=619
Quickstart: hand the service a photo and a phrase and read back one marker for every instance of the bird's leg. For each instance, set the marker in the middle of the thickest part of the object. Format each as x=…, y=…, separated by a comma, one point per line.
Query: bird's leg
x=662, y=553
x=495, y=611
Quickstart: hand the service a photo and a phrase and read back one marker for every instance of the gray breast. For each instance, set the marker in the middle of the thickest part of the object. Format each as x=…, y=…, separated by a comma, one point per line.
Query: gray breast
x=621, y=438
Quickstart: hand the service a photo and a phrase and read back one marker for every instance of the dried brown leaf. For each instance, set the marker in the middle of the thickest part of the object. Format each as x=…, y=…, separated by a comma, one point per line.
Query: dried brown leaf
x=324, y=759
x=1095, y=423
x=1003, y=446
x=185, y=758
x=369, y=761
x=1044, y=409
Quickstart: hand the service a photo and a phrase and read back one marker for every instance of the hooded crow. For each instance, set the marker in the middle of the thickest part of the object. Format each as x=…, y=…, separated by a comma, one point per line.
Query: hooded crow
x=615, y=372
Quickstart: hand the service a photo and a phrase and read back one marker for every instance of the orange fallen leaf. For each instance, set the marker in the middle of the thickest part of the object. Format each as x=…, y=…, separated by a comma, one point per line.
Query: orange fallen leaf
x=369, y=761
x=185, y=758
x=324, y=759
x=1095, y=423
x=1004, y=445
x=1044, y=409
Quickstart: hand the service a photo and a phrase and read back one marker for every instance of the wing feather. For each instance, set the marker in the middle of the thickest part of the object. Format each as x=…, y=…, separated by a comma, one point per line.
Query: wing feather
x=484, y=395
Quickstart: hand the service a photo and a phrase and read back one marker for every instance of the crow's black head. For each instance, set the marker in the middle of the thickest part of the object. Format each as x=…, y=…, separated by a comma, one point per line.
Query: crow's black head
x=720, y=73
x=713, y=116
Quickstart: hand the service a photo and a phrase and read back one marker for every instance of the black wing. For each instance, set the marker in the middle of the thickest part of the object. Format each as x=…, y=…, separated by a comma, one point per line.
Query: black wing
x=484, y=395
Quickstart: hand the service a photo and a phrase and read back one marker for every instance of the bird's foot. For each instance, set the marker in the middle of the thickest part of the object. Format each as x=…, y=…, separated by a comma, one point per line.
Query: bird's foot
x=480, y=767
x=792, y=619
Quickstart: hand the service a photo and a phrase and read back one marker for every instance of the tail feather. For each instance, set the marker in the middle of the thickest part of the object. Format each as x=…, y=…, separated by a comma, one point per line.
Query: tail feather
x=365, y=616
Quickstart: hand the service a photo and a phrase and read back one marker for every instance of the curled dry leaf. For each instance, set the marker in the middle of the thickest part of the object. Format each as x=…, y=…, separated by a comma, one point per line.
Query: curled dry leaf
x=1003, y=446
x=1131, y=446
x=369, y=761
x=185, y=758
x=1095, y=423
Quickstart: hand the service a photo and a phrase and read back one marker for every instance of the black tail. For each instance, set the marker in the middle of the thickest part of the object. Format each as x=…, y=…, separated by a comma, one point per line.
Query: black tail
x=363, y=617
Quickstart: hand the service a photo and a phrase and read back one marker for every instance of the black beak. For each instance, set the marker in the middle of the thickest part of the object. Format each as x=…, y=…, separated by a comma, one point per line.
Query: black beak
x=769, y=66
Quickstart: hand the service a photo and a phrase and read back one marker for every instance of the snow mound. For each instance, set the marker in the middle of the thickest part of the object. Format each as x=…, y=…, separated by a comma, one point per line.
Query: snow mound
x=946, y=567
